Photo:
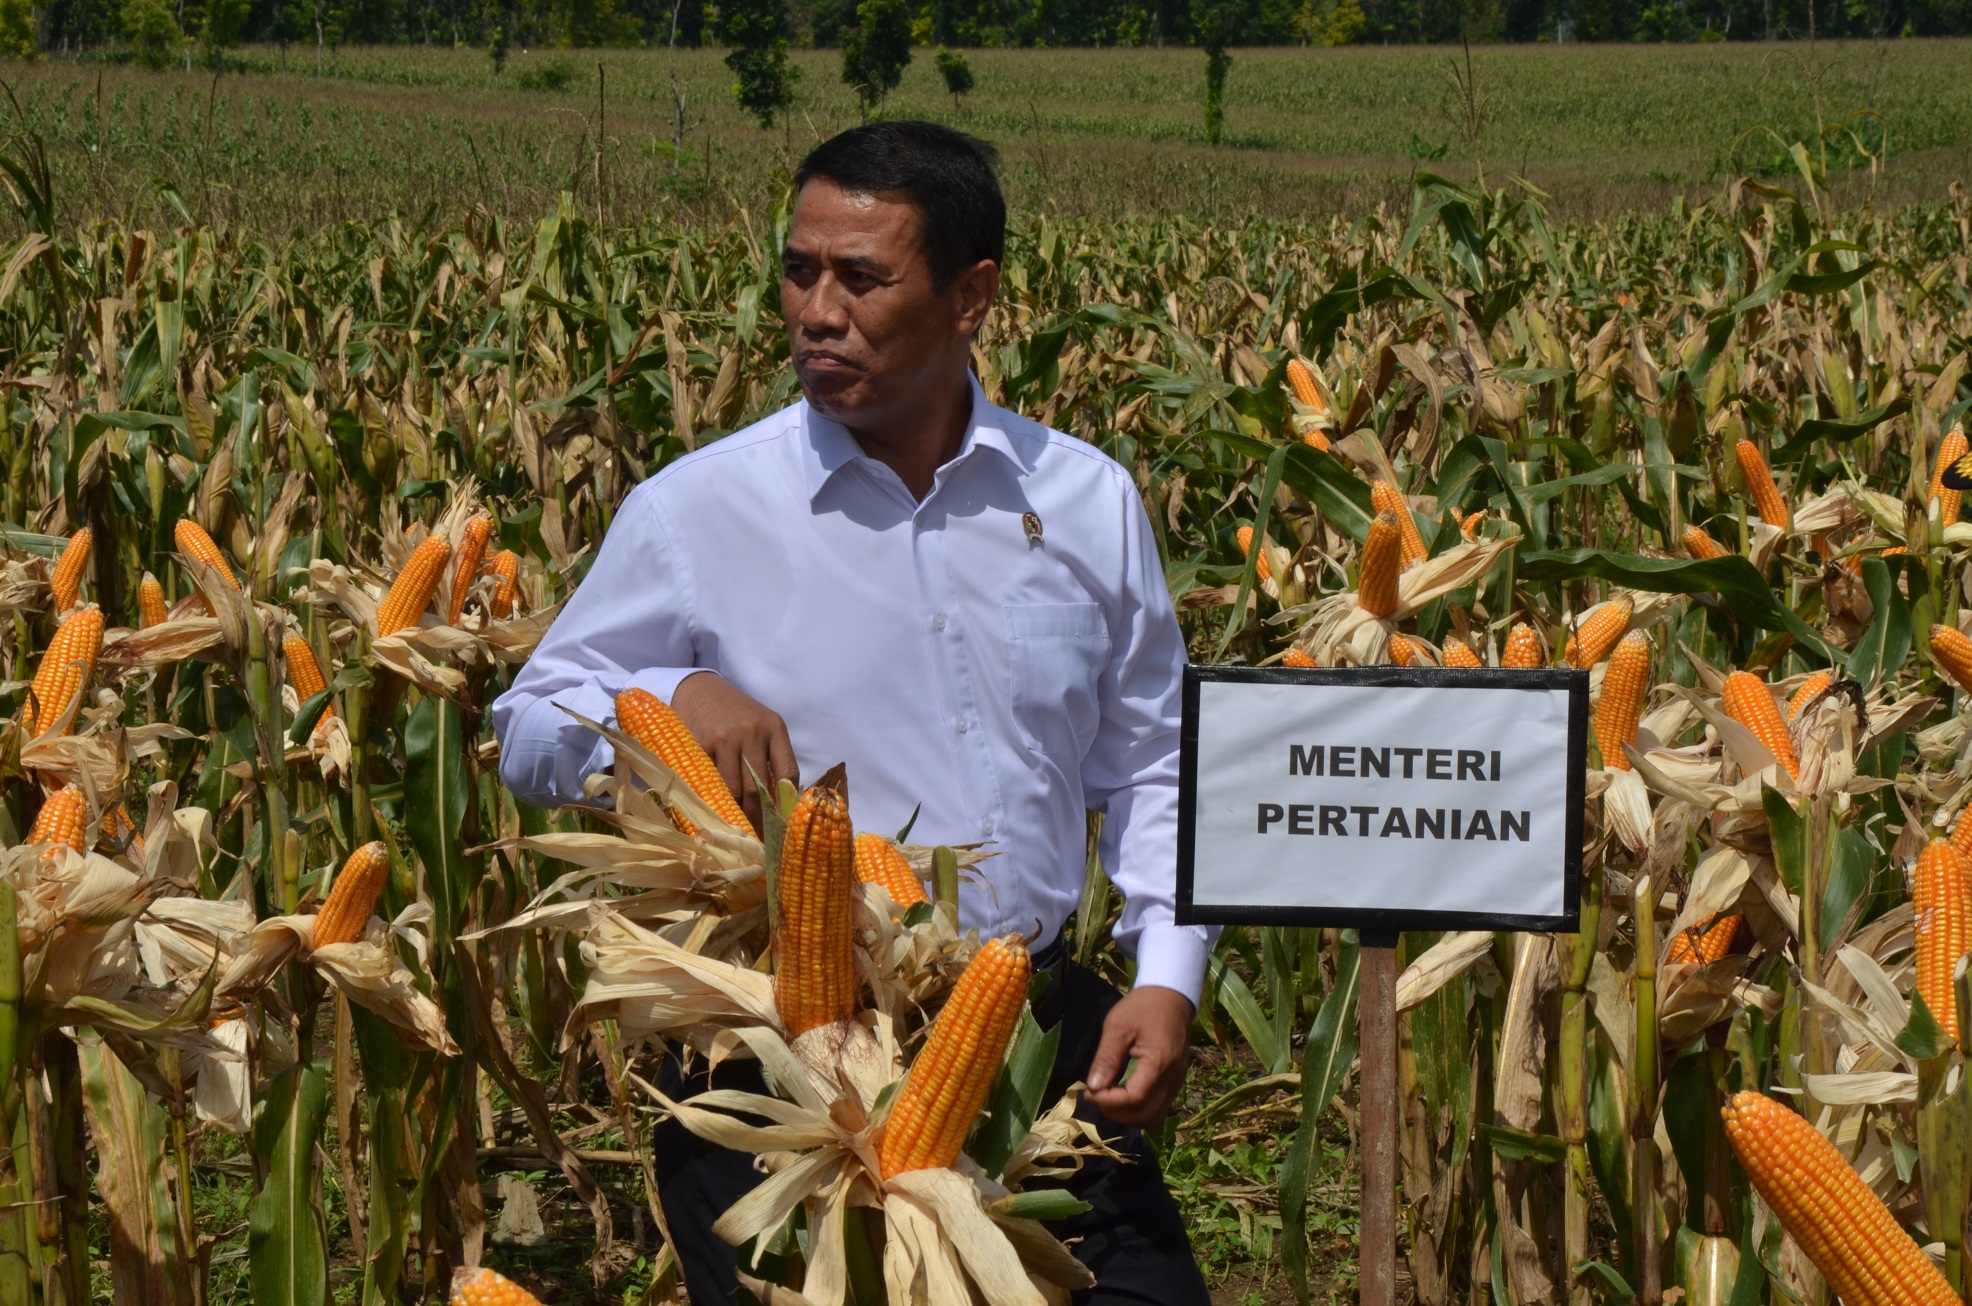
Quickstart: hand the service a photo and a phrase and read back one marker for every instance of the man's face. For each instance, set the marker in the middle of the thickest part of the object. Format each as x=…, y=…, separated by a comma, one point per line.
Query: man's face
x=869, y=335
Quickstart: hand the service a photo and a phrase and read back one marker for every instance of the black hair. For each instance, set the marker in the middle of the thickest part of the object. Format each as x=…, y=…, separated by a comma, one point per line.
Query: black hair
x=962, y=217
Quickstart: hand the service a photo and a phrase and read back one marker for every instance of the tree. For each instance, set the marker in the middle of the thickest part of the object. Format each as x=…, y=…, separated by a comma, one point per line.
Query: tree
x=499, y=37
x=956, y=72
x=758, y=32
x=153, y=32
x=876, y=52
x=1213, y=24
x=224, y=23
x=17, y=29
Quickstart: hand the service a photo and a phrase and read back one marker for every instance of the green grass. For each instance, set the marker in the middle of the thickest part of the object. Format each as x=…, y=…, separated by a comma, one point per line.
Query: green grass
x=406, y=130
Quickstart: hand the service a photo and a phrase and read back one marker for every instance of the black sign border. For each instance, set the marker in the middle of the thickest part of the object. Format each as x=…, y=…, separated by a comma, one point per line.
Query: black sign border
x=1387, y=921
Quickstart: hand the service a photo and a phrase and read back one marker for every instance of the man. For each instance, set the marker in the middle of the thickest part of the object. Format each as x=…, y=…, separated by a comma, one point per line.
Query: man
x=964, y=606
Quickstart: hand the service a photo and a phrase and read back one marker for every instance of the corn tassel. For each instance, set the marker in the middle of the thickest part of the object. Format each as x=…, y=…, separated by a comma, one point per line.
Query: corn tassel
x=1810, y=687
x=1700, y=544
x=66, y=667
x=1596, y=636
x=1828, y=1210
x=1457, y=653
x=1621, y=705
x=353, y=897
x=505, y=567
x=1706, y=942
x=472, y=551
x=484, y=1287
x=1383, y=497
x=63, y=818
x=410, y=594
x=814, y=958
x=650, y=721
x=152, y=610
x=1760, y=485
x=1942, y=901
x=881, y=861
x=1523, y=648
x=1746, y=700
x=66, y=582
x=1952, y=651
x=948, y=1082
x=1950, y=450
x=193, y=542
x=1383, y=547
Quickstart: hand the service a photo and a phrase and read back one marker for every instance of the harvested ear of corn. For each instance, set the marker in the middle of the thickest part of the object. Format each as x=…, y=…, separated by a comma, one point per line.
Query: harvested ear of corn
x=880, y=861
x=1760, y=485
x=505, y=567
x=483, y=1287
x=66, y=582
x=472, y=551
x=1523, y=648
x=1383, y=552
x=66, y=667
x=1942, y=902
x=353, y=896
x=1596, y=637
x=194, y=542
x=650, y=721
x=948, y=1083
x=815, y=981
x=1617, y=712
x=63, y=819
x=410, y=594
x=1746, y=700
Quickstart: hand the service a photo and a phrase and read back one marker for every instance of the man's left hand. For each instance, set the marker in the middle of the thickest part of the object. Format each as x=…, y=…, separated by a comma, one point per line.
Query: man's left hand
x=1151, y=1025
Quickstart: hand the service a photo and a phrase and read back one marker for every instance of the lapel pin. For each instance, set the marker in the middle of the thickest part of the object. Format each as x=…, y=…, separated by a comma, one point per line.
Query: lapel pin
x=1031, y=523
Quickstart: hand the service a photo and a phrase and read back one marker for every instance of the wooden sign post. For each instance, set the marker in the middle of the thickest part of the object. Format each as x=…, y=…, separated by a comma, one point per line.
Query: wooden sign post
x=1327, y=798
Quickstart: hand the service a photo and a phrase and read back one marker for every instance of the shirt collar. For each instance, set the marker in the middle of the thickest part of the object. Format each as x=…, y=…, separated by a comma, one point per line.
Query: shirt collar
x=829, y=447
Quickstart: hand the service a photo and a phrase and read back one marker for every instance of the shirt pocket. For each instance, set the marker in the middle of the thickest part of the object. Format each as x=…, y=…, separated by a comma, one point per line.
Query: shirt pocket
x=1056, y=653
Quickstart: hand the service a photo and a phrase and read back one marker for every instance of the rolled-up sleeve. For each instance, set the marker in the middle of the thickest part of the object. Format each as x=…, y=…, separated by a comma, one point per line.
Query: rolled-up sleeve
x=629, y=625
x=1131, y=771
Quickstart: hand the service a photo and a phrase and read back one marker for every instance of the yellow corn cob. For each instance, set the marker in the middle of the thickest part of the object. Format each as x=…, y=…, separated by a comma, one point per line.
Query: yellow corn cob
x=1295, y=657
x=1854, y=562
x=152, y=610
x=353, y=896
x=1961, y=836
x=410, y=594
x=1950, y=450
x=1952, y=651
x=1383, y=550
x=1699, y=544
x=472, y=551
x=1595, y=637
x=66, y=582
x=880, y=861
x=118, y=828
x=1813, y=685
x=62, y=819
x=1315, y=440
x=954, y=1071
x=1706, y=942
x=814, y=960
x=1302, y=382
x=1457, y=653
x=1245, y=537
x=1383, y=497
x=66, y=666
x=193, y=542
x=305, y=674
x=1942, y=900
x=1621, y=704
x=1828, y=1210
x=1470, y=526
x=650, y=721
x=1760, y=485
x=506, y=566
x=1523, y=648
x=483, y=1287
x=1746, y=700
x=1402, y=651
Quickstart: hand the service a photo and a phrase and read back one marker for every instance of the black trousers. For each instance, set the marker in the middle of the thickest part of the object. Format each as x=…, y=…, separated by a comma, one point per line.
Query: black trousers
x=1132, y=1236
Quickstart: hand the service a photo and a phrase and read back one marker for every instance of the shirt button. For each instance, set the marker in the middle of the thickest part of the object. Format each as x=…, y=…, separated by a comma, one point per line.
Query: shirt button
x=938, y=622
x=986, y=827
x=962, y=725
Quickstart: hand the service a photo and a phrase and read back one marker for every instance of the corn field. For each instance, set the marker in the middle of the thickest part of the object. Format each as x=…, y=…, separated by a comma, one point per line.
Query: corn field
x=280, y=522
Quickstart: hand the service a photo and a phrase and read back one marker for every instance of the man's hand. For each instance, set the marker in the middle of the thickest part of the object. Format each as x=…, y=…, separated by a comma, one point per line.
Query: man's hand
x=743, y=737
x=1153, y=1026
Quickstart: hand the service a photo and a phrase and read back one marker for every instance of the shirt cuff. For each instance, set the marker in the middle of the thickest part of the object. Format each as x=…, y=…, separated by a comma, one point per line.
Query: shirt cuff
x=1173, y=957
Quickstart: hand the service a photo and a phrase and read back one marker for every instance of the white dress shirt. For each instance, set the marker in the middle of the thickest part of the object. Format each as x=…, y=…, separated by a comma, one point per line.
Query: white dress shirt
x=953, y=658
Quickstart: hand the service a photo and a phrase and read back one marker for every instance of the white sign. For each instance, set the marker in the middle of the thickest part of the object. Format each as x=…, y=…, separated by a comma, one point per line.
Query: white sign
x=1383, y=798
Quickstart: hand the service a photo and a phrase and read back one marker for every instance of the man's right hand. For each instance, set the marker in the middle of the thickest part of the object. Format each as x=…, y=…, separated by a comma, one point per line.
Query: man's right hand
x=743, y=737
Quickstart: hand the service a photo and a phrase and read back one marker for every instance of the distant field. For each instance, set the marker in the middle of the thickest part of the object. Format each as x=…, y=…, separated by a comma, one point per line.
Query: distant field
x=397, y=130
